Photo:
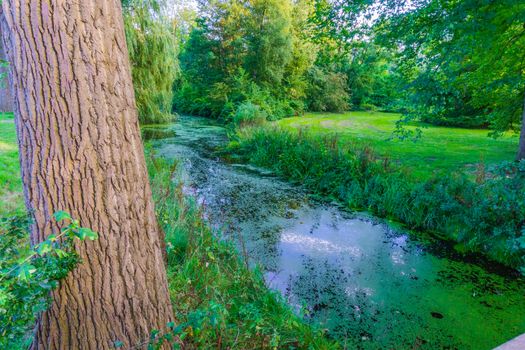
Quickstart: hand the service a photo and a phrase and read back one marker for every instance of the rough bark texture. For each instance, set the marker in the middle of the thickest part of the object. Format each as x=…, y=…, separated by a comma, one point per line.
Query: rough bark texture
x=6, y=102
x=80, y=151
x=521, y=147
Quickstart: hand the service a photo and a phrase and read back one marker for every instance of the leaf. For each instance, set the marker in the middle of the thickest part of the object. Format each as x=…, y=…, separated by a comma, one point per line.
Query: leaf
x=25, y=271
x=43, y=248
x=84, y=233
x=61, y=253
x=62, y=215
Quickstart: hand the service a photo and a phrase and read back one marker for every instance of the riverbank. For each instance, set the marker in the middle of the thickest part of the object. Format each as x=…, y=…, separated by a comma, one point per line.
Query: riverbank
x=486, y=215
x=222, y=302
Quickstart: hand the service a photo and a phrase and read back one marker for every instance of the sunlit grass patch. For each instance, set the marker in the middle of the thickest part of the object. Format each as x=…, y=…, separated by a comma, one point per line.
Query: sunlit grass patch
x=439, y=148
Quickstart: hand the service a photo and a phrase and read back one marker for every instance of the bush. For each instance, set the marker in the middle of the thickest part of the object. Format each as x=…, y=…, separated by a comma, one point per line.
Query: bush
x=249, y=114
x=28, y=275
x=327, y=91
x=486, y=216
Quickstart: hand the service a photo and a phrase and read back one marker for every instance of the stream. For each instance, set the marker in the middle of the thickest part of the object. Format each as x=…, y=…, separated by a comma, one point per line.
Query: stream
x=370, y=284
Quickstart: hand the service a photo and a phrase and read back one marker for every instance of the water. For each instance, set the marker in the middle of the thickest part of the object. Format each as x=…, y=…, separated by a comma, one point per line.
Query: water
x=369, y=285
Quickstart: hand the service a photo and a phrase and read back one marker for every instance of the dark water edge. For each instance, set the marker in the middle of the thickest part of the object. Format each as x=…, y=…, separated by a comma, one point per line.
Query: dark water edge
x=370, y=284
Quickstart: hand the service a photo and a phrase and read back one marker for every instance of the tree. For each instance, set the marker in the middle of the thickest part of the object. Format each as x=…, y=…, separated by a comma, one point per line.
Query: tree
x=153, y=54
x=6, y=102
x=80, y=151
x=474, y=48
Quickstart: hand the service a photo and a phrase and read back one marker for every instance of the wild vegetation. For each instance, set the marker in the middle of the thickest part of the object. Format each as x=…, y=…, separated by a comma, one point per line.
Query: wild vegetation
x=440, y=149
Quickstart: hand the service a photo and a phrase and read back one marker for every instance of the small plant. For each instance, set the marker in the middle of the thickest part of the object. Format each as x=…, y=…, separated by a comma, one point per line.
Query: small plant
x=28, y=275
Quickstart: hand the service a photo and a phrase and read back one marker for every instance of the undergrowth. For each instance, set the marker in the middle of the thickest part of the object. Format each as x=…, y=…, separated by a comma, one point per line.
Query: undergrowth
x=221, y=301
x=486, y=215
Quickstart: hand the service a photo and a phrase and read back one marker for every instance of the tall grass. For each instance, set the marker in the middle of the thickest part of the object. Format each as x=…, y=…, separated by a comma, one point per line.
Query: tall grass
x=226, y=304
x=486, y=215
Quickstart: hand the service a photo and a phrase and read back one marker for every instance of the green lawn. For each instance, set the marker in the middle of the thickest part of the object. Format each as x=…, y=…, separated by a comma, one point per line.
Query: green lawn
x=10, y=183
x=440, y=148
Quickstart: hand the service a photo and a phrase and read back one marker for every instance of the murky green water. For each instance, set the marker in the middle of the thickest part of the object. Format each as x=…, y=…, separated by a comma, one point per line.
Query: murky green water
x=371, y=286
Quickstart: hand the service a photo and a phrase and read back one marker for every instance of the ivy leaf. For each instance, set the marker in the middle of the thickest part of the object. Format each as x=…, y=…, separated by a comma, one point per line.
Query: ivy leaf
x=25, y=271
x=62, y=215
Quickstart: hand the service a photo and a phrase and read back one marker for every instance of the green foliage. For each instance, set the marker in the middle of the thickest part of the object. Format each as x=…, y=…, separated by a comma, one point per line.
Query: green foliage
x=327, y=91
x=254, y=51
x=249, y=114
x=153, y=54
x=486, y=216
x=462, y=59
x=28, y=275
x=218, y=300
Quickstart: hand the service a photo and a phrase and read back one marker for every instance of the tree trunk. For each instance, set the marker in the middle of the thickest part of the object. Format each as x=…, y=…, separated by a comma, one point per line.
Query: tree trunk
x=6, y=102
x=81, y=151
x=521, y=147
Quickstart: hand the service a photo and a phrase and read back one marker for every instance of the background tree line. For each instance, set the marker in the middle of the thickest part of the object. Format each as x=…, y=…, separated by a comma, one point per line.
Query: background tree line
x=442, y=62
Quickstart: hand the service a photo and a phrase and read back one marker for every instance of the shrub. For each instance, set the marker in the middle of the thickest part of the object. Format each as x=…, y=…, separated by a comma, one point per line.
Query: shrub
x=249, y=114
x=27, y=275
x=327, y=91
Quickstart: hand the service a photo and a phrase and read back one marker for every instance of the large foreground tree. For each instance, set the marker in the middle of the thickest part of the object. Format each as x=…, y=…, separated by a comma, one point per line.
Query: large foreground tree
x=80, y=151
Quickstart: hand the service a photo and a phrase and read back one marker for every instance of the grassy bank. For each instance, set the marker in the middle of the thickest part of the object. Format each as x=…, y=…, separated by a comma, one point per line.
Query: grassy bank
x=219, y=302
x=439, y=148
x=486, y=215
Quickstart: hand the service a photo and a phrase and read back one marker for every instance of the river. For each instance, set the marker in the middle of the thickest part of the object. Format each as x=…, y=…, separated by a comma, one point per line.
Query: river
x=370, y=284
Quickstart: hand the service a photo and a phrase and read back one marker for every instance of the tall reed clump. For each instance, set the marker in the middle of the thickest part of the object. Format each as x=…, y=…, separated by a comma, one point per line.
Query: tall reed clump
x=486, y=216
x=218, y=301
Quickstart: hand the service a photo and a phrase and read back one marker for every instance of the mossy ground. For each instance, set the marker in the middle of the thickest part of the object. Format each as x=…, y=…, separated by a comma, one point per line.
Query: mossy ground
x=439, y=148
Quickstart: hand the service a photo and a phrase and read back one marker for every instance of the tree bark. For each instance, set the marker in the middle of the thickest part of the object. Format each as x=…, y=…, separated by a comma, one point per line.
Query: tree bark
x=521, y=147
x=81, y=151
x=6, y=102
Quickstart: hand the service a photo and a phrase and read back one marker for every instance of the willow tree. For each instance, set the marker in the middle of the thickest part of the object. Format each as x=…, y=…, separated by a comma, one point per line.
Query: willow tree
x=80, y=151
x=153, y=54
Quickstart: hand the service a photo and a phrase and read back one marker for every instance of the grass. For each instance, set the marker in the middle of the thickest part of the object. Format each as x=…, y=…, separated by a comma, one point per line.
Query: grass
x=439, y=149
x=11, y=198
